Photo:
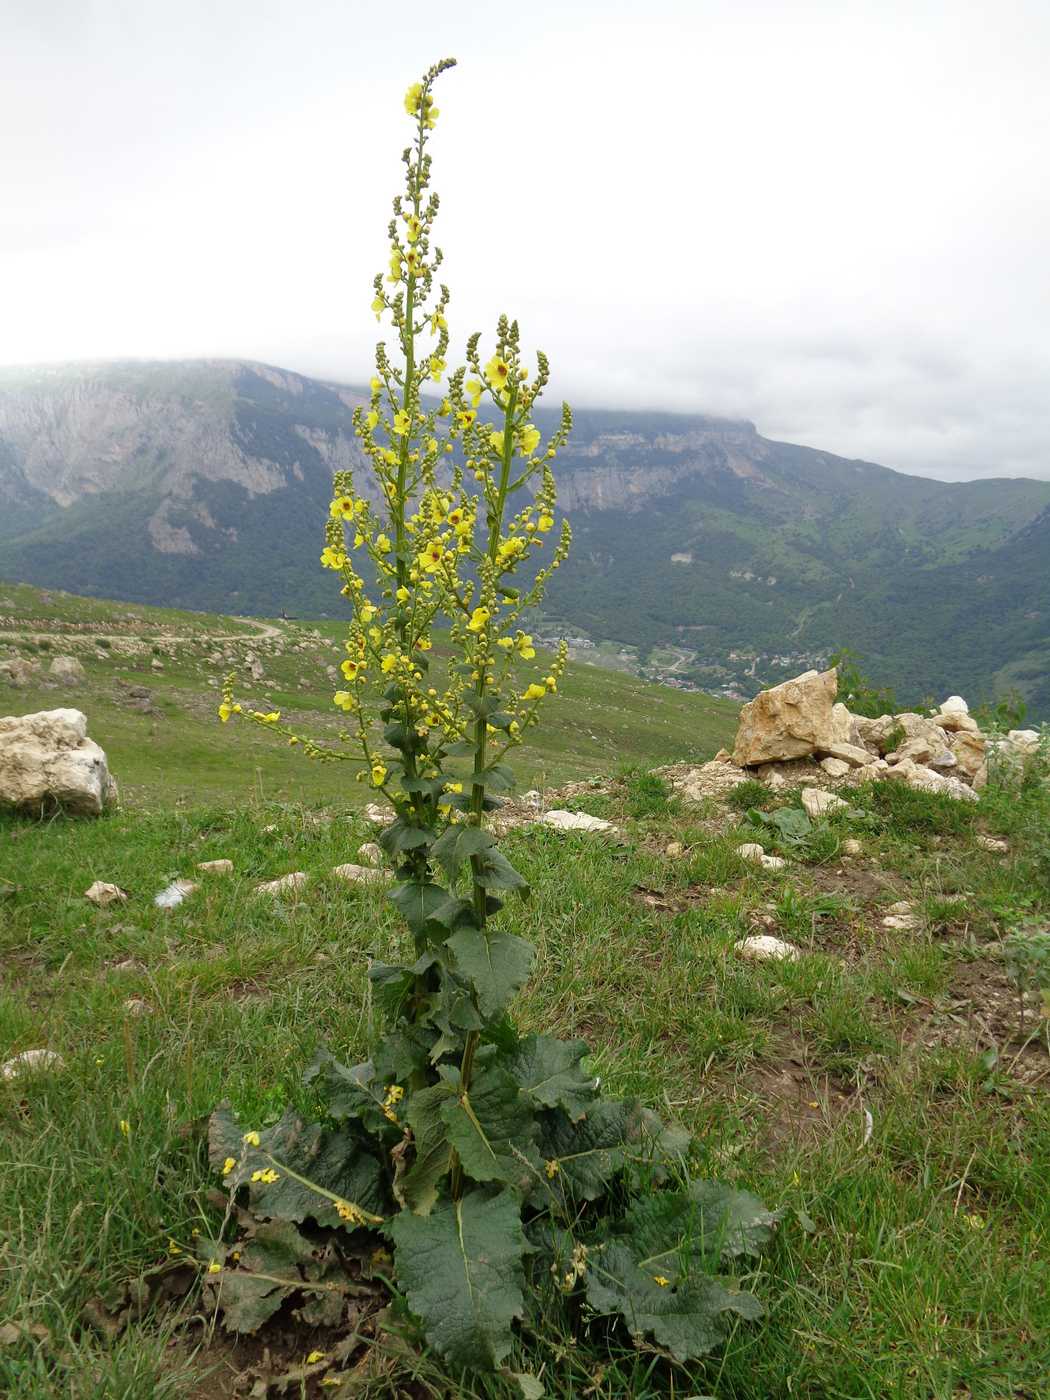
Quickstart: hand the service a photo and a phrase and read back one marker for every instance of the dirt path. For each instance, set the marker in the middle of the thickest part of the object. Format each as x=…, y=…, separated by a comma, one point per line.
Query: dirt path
x=264, y=631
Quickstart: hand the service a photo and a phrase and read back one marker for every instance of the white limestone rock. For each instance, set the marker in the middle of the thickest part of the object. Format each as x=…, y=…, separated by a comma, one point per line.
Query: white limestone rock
x=103, y=893
x=763, y=947
x=215, y=867
x=836, y=767
x=32, y=1062
x=575, y=821
x=47, y=763
x=361, y=874
x=818, y=803
x=285, y=884
x=790, y=720
x=68, y=670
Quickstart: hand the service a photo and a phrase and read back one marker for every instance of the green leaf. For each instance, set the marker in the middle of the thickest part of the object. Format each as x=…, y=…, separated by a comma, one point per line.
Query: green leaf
x=391, y=987
x=462, y=748
x=402, y=1052
x=338, y=1159
x=418, y=1187
x=493, y=1129
x=457, y=844
x=687, y=1316
x=613, y=1137
x=461, y=1270
x=550, y=1072
x=402, y=836
x=267, y=1274
x=495, y=872
x=416, y=901
x=498, y=777
x=656, y=1272
x=498, y=966
x=349, y=1093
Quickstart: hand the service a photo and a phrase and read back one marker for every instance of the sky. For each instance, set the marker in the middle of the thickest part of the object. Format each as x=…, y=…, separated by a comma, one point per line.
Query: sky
x=828, y=216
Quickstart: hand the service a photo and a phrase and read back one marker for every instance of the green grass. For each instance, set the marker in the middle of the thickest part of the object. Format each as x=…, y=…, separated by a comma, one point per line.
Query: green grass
x=911, y=1265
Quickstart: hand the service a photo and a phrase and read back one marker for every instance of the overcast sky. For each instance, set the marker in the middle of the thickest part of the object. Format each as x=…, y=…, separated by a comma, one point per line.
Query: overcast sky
x=829, y=216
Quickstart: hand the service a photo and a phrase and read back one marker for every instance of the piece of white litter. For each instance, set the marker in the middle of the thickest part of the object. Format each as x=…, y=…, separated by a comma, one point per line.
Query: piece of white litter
x=361, y=874
x=101, y=893
x=285, y=883
x=216, y=867
x=869, y=1127
x=175, y=893
x=763, y=947
x=575, y=821
x=32, y=1062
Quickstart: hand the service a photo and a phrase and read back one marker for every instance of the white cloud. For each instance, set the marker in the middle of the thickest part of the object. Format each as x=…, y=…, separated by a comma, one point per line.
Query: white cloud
x=830, y=219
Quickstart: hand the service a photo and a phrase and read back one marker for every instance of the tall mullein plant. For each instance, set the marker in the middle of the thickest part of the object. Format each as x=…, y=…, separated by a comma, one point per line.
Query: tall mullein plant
x=483, y=1157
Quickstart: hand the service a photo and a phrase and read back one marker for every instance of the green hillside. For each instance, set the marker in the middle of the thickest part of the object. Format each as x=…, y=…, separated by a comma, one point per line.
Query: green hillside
x=179, y=752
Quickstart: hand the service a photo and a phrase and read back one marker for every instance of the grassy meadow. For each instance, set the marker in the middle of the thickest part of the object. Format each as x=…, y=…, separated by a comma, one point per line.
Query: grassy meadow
x=887, y=1091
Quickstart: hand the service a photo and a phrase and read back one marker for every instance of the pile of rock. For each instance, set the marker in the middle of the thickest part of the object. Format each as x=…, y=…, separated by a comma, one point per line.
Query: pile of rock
x=797, y=734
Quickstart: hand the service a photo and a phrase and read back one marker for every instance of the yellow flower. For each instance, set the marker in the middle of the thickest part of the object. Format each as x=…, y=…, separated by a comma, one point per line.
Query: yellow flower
x=225, y=711
x=496, y=438
x=271, y=718
x=553, y=1168
x=535, y=692
x=661, y=1280
x=332, y=557
x=552, y=684
x=267, y=1177
x=402, y=423
x=378, y=306
x=497, y=372
x=507, y=643
x=125, y=1127
x=173, y=1248
x=367, y=613
x=402, y=595
x=353, y=670
x=412, y=228
x=388, y=663
x=378, y=775
x=478, y=618
x=465, y=417
x=394, y=275
x=544, y=523
x=525, y=647
x=438, y=323
x=510, y=549
x=412, y=96
x=214, y=1268
x=414, y=262
x=371, y=419
x=383, y=545
x=529, y=438
x=252, y=1138
x=342, y=508
x=228, y=1165
x=432, y=556
x=314, y=1357
x=344, y=700
x=437, y=368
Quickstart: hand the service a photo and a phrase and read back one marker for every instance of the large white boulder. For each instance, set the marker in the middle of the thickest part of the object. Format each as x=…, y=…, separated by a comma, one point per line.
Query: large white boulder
x=48, y=763
x=792, y=720
x=68, y=670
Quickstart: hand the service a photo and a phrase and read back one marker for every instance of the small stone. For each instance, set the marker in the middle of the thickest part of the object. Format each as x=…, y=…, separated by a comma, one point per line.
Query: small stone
x=174, y=894
x=852, y=847
x=835, y=767
x=135, y=1006
x=156, y=665
x=379, y=815
x=763, y=947
x=817, y=802
x=295, y=881
x=955, y=705
x=773, y=862
x=129, y=965
x=370, y=854
x=751, y=851
x=216, y=867
x=361, y=874
x=901, y=907
x=68, y=670
x=902, y=922
x=853, y=754
x=102, y=893
x=575, y=821
x=32, y=1062
x=674, y=850
x=1026, y=740
x=992, y=843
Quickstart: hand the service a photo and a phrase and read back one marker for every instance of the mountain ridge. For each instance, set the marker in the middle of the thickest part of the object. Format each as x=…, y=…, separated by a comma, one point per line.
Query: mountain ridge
x=706, y=554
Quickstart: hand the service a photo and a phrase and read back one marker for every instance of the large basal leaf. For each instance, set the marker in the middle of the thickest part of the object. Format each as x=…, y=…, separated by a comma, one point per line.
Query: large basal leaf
x=689, y=1314
x=417, y=1188
x=354, y=1092
x=337, y=1159
x=461, y=1270
x=493, y=1129
x=274, y=1265
x=657, y=1269
x=550, y=1072
x=613, y=1137
x=498, y=966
